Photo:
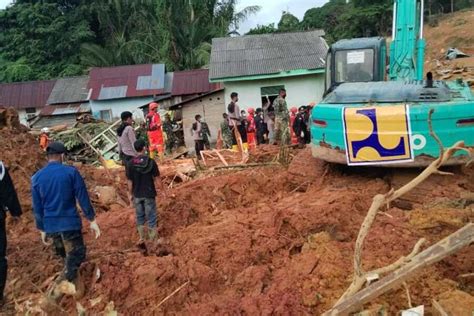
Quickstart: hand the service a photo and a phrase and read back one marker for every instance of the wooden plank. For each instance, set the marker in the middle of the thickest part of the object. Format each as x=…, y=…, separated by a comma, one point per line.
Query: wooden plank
x=449, y=245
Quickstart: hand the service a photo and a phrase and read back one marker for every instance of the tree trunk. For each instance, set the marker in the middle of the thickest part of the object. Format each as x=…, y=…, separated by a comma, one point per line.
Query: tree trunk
x=452, y=6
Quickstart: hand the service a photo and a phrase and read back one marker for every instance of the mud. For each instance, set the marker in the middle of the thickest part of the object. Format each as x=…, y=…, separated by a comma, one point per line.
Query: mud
x=265, y=240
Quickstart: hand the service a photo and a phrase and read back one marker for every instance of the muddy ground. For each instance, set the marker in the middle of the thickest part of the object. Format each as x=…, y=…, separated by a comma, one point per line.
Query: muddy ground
x=261, y=241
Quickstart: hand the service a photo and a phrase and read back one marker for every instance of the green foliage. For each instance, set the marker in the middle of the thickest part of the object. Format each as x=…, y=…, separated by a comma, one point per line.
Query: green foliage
x=263, y=29
x=288, y=23
x=48, y=39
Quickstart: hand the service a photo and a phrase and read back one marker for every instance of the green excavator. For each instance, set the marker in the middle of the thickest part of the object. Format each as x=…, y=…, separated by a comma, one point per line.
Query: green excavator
x=378, y=114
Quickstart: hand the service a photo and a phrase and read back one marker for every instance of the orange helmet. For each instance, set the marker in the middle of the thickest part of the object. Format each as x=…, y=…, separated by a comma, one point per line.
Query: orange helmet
x=154, y=106
x=251, y=110
x=294, y=110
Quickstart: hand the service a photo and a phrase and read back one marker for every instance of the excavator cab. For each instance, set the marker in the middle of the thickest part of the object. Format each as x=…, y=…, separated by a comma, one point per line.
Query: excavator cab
x=356, y=60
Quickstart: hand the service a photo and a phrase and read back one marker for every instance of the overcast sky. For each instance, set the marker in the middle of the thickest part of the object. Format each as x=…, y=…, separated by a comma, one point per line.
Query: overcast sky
x=270, y=12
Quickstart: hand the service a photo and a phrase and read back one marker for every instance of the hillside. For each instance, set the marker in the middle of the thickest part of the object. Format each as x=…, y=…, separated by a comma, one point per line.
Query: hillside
x=453, y=30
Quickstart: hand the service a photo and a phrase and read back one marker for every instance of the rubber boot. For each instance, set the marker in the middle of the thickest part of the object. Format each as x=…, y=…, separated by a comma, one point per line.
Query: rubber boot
x=245, y=147
x=80, y=286
x=235, y=148
x=152, y=154
x=141, y=232
x=152, y=234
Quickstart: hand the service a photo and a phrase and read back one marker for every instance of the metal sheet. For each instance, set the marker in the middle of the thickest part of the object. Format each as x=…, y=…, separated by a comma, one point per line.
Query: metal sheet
x=23, y=95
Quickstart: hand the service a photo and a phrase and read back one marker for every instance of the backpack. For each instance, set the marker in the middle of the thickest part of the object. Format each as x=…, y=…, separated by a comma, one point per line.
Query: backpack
x=231, y=107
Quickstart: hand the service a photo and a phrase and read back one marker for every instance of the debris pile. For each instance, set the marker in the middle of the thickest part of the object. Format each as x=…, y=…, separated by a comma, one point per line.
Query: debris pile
x=20, y=153
x=258, y=241
x=453, y=31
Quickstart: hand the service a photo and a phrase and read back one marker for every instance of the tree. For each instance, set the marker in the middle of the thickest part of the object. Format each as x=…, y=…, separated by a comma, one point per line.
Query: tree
x=263, y=29
x=288, y=23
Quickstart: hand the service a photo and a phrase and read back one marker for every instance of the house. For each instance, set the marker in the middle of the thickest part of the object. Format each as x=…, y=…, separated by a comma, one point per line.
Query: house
x=258, y=66
x=209, y=105
x=28, y=98
x=186, y=85
x=68, y=100
x=126, y=88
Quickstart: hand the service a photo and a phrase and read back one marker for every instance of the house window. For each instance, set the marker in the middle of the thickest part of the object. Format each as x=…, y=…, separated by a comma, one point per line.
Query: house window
x=30, y=113
x=270, y=93
x=106, y=115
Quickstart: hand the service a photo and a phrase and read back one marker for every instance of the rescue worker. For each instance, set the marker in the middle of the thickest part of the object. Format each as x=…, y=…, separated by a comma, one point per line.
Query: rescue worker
x=236, y=123
x=55, y=190
x=142, y=172
x=260, y=126
x=8, y=203
x=251, y=137
x=126, y=138
x=170, y=137
x=196, y=132
x=142, y=133
x=294, y=137
x=300, y=126
x=226, y=131
x=44, y=138
x=155, y=134
x=206, y=134
x=282, y=119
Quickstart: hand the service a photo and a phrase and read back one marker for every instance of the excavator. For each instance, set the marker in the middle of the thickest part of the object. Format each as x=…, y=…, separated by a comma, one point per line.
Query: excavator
x=384, y=112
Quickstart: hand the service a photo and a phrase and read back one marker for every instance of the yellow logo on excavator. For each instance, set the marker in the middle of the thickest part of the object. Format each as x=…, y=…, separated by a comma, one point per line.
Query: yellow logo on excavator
x=377, y=135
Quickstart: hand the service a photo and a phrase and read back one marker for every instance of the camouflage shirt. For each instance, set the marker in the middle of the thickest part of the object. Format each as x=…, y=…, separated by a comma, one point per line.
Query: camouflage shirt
x=281, y=109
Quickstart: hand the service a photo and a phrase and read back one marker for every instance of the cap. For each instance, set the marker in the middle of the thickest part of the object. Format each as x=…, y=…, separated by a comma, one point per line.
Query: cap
x=56, y=148
x=45, y=130
x=293, y=109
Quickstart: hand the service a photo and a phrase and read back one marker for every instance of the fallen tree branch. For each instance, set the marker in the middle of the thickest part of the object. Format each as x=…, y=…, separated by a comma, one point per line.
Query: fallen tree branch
x=360, y=276
x=439, y=308
x=249, y=165
x=171, y=295
x=449, y=245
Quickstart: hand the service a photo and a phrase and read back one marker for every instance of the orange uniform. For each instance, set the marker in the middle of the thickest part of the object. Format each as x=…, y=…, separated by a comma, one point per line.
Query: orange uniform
x=294, y=138
x=44, y=141
x=251, y=137
x=155, y=134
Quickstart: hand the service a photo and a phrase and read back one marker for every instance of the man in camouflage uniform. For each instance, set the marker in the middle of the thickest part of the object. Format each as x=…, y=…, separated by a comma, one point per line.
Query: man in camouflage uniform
x=142, y=133
x=206, y=133
x=226, y=132
x=282, y=119
x=170, y=137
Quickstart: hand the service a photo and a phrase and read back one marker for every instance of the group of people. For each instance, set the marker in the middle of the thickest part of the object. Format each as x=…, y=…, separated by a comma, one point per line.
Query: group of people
x=272, y=123
x=57, y=188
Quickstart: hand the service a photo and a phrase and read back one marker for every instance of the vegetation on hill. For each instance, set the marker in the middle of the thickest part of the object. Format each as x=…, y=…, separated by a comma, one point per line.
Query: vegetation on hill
x=49, y=39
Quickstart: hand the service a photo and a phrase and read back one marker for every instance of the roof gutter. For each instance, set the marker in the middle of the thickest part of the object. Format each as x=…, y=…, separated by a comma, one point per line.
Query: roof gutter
x=283, y=74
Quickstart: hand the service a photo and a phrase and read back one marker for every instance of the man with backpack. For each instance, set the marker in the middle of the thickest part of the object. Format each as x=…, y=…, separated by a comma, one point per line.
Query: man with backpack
x=236, y=125
x=142, y=174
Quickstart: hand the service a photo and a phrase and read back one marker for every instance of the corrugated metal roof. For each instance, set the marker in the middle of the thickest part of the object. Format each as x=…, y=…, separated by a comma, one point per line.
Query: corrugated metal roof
x=53, y=110
x=184, y=102
x=267, y=54
x=138, y=80
x=69, y=90
x=49, y=121
x=192, y=82
x=21, y=95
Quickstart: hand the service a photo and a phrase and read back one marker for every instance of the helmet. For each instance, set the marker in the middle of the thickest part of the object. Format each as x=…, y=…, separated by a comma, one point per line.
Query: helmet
x=251, y=110
x=45, y=130
x=154, y=106
x=294, y=109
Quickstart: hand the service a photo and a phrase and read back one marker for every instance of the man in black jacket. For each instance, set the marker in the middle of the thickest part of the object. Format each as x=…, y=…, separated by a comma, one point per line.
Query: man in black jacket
x=142, y=172
x=8, y=202
x=300, y=126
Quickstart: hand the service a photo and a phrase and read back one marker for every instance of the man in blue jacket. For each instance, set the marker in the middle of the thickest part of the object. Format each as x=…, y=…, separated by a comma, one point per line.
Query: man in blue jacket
x=55, y=189
x=8, y=202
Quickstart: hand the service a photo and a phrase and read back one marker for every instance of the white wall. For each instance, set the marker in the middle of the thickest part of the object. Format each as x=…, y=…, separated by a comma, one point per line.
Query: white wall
x=210, y=108
x=22, y=116
x=120, y=105
x=300, y=90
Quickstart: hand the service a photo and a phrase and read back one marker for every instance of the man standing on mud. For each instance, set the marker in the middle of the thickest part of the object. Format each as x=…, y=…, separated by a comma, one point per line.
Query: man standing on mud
x=282, y=119
x=142, y=172
x=55, y=190
x=8, y=202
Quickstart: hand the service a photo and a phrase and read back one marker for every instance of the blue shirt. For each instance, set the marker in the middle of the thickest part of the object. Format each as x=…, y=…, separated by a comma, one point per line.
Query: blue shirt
x=55, y=189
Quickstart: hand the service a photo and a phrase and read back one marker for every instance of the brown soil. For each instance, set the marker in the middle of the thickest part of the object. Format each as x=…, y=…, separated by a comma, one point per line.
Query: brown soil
x=265, y=240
